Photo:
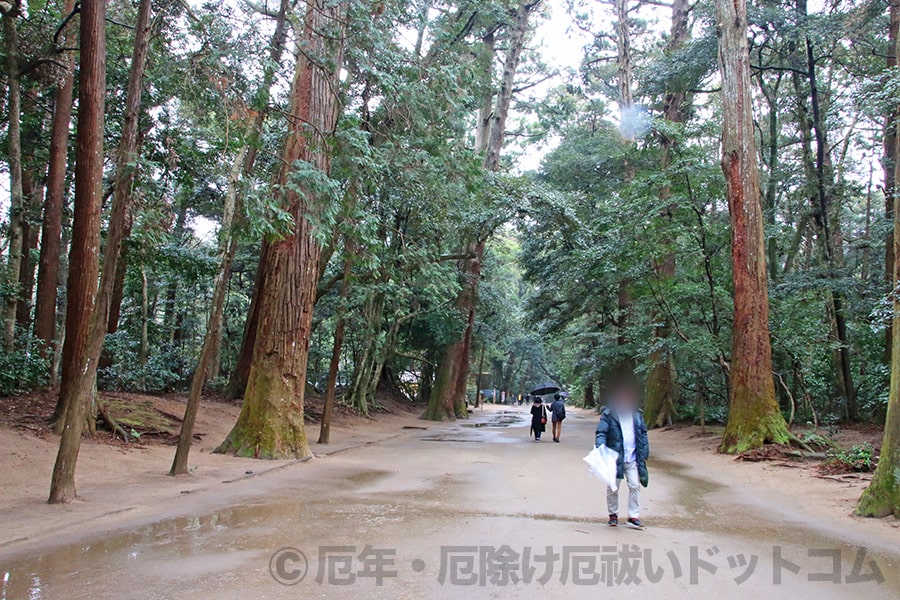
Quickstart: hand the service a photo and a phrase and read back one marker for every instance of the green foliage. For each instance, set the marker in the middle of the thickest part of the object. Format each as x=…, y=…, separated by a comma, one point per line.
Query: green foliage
x=860, y=458
x=129, y=371
x=25, y=367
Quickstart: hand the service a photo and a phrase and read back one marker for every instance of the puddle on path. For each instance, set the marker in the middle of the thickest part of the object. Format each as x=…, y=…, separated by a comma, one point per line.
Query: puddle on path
x=227, y=550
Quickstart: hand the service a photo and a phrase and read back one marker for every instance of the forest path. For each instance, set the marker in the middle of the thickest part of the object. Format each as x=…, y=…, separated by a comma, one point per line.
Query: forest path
x=460, y=509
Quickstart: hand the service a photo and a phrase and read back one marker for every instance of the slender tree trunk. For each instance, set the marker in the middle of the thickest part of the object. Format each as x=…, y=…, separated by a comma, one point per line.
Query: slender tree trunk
x=478, y=383
x=62, y=488
x=271, y=421
x=85, y=235
x=623, y=55
x=753, y=417
x=335, y=366
x=486, y=110
x=888, y=162
x=144, y=350
x=590, y=400
x=115, y=308
x=33, y=195
x=227, y=247
x=662, y=385
x=822, y=174
x=772, y=145
x=624, y=79
x=51, y=231
x=448, y=394
x=237, y=382
x=11, y=12
x=515, y=47
x=426, y=381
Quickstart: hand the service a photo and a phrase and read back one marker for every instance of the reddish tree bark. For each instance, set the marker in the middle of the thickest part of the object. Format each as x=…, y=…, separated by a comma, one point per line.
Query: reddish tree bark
x=83, y=256
x=237, y=382
x=62, y=488
x=51, y=229
x=753, y=417
x=84, y=248
x=271, y=421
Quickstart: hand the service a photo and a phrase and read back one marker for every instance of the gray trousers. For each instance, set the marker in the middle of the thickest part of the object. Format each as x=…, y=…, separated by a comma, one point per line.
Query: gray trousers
x=634, y=493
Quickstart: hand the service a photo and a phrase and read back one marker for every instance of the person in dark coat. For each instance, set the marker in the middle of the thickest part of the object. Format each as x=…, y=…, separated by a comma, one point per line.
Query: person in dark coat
x=622, y=429
x=558, y=414
x=538, y=418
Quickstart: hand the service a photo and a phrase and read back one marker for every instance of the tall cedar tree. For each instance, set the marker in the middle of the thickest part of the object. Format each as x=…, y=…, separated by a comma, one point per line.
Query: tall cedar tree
x=51, y=228
x=62, y=487
x=271, y=421
x=448, y=397
x=243, y=163
x=753, y=416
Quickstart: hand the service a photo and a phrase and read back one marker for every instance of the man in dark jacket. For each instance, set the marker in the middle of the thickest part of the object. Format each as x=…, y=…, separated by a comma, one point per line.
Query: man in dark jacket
x=557, y=415
x=622, y=429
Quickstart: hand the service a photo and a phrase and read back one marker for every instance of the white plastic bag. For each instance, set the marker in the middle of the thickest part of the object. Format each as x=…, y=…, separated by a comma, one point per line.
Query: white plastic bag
x=602, y=464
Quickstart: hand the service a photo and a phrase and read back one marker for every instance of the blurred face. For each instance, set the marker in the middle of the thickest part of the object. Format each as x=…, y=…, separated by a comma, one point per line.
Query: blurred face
x=624, y=398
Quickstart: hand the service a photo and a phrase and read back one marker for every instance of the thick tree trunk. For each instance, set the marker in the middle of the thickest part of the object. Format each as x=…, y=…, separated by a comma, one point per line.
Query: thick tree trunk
x=51, y=231
x=753, y=417
x=440, y=400
x=448, y=395
x=470, y=302
x=271, y=421
x=237, y=382
x=662, y=385
x=62, y=488
x=85, y=237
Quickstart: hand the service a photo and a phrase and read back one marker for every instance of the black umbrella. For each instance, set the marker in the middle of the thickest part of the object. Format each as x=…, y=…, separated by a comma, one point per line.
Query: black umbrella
x=545, y=388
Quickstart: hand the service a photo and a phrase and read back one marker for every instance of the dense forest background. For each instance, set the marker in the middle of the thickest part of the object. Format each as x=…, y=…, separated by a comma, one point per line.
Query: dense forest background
x=188, y=185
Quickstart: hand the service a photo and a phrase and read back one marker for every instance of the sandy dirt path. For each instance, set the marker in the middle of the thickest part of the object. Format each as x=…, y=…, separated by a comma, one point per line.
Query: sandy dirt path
x=475, y=509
